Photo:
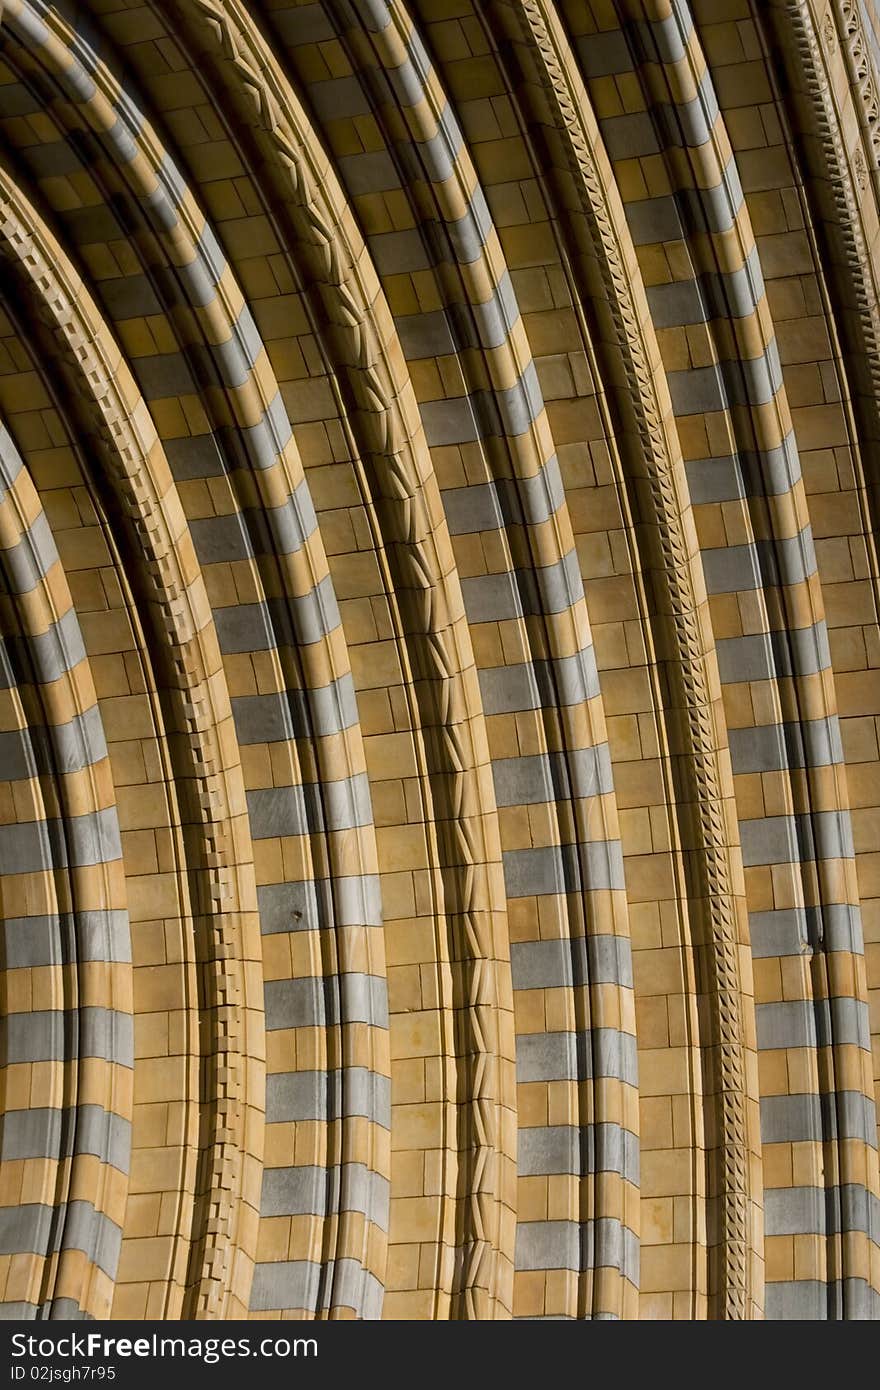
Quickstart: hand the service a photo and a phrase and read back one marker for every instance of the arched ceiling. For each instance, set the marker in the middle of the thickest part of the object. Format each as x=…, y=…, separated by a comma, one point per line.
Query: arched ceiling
x=439, y=694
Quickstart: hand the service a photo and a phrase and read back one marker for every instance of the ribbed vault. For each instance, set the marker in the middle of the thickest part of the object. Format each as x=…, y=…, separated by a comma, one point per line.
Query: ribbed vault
x=439, y=714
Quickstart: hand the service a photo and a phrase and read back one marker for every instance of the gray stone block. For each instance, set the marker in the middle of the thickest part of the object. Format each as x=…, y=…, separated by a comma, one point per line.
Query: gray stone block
x=314, y=1095
x=576, y=1056
x=343, y=805
x=556, y=964
x=318, y=713
x=595, y=865
x=353, y=900
x=311, y=1002
x=541, y=777
x=285, y=1284
x=557, y=1149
